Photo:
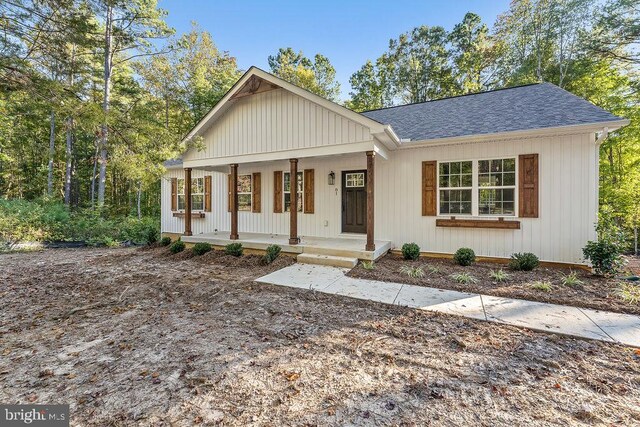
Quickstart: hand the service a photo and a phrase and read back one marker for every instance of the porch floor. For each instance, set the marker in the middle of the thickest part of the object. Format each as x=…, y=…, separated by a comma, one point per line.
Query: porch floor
x=347, y=246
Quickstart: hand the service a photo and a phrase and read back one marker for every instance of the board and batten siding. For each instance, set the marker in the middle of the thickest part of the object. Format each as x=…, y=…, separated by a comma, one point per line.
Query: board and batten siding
x=568, y=201
x=274, y=121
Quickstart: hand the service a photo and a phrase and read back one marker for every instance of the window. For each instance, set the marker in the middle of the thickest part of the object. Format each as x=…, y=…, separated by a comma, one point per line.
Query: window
x=287, y=190
x=354, y=179
x=244, y=192
x=482, y=187
x=456, y=186
x=197, y=194
x=497, y=182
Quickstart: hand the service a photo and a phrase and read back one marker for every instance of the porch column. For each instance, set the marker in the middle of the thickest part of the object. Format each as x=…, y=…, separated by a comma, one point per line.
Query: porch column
x=187, y=201
x=293, y=206
x=234, y=202
x=371, y=245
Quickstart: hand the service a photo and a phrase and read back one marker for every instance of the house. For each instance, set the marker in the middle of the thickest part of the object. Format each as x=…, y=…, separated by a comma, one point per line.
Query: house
x=510, y=170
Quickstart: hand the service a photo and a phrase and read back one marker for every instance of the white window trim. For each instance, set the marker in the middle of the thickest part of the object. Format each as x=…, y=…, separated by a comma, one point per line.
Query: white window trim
x=250, y=193
x=180, y=192
x=301, y=193
x=475, y=199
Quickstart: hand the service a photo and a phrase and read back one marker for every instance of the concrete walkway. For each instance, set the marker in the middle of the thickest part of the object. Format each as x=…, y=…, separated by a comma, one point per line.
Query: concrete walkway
x=560, y=319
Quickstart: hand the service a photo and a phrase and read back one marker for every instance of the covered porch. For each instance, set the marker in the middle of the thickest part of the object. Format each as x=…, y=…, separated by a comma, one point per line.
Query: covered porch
x=353, y=247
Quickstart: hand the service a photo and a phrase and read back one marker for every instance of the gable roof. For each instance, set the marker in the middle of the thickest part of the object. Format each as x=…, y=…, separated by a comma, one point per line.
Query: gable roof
x=256, y=80
x=519, y=108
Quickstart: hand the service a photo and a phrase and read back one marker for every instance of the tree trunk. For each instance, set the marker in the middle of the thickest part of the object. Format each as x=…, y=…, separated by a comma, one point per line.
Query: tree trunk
x=93, y=176
x=69, y=138
x=104, y=137
x=139, y=196
x=52, y=152
x=69, y=164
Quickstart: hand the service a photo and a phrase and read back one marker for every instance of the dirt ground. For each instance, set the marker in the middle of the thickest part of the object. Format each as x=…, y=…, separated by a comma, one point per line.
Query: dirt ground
x=595, y=292
x=140, y=337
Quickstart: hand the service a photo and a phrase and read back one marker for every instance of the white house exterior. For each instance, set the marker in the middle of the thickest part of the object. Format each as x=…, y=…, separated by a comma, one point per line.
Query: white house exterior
x=500, y=172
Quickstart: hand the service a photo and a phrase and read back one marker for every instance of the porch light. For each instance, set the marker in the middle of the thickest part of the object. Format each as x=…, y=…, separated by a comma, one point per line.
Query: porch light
x=332, y=178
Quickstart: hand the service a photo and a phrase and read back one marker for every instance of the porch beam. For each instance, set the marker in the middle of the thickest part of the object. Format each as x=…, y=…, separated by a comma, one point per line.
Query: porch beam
x=187, y=202
x=371, y=245
x=293, y=206
x=234, y=202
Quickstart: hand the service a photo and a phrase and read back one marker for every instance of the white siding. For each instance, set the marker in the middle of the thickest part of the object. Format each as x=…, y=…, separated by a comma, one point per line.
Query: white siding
x=567, y=191
x=274, y=121
x=567, y=210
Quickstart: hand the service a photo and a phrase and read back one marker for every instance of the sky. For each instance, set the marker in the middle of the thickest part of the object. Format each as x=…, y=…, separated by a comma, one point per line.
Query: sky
x=347, y=32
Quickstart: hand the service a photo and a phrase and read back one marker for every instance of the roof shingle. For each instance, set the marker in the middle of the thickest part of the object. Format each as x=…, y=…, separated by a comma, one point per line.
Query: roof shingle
x=535, y=106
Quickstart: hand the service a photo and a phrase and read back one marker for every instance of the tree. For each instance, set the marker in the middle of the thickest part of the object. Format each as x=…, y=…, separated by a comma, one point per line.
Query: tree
x=617, y=31
x=473, y=53
x=317, y=76
x=371, y=86
x=129, y=27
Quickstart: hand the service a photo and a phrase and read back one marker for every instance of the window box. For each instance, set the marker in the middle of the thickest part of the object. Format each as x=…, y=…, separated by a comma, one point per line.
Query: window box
x=478, y=223
x=193, y=214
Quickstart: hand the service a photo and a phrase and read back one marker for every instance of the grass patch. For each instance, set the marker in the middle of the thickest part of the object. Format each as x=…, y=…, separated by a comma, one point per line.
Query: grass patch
x=464, y=278
x=368, y=265
x=542, y=286
x=498, y=275
x=415, y=272
x=571, y=279
x=629, y=293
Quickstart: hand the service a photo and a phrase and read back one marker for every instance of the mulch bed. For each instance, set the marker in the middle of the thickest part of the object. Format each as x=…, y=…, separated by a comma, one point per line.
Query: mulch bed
x=595, y=292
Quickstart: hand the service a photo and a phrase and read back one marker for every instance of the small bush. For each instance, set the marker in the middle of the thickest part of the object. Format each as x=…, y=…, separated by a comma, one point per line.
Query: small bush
x=605, y=256
x=542, y=286
x=165, y=241
x=498, y=275
x=525, y=261
x=234, y=249
x=415, y=272
x=368, y=265
x=464, y=278
x=571, y=279
x=272, y=252
x=410, y=251
x=629, y=293
x=177, y=246
x=464, y=256
x=201, y=248
x=433, y=269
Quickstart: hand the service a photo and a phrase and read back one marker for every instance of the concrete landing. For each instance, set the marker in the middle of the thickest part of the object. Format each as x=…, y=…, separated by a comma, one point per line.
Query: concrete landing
x=330, y=260
x=554, y=318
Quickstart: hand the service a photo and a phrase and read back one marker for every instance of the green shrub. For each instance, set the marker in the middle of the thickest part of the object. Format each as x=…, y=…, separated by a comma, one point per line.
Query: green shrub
x=410, y=251
x=201, y=248
x=464, y=278
x=165, y=241
x=139, y=231
x=464, y=256
x=368, y=265
x=605, y=256
x=177, y=246
x=272, y=252
x=415, y=272
x=629, y=293
x=542, y=286
x=525, y=261
x=234, y=249
x=498, y=275
x=571, y=279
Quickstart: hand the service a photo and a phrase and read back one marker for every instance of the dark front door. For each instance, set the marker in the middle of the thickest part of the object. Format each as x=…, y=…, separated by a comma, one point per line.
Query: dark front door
x=354, y=201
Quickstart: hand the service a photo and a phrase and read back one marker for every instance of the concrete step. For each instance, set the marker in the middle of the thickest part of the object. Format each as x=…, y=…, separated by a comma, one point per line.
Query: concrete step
x=320, y=259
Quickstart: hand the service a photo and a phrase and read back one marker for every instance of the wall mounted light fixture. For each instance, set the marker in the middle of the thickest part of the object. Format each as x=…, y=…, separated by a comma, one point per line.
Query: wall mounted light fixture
x=332, y=178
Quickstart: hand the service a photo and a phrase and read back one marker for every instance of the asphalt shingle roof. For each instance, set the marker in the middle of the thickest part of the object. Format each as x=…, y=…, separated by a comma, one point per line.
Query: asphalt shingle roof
x=542, y=105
